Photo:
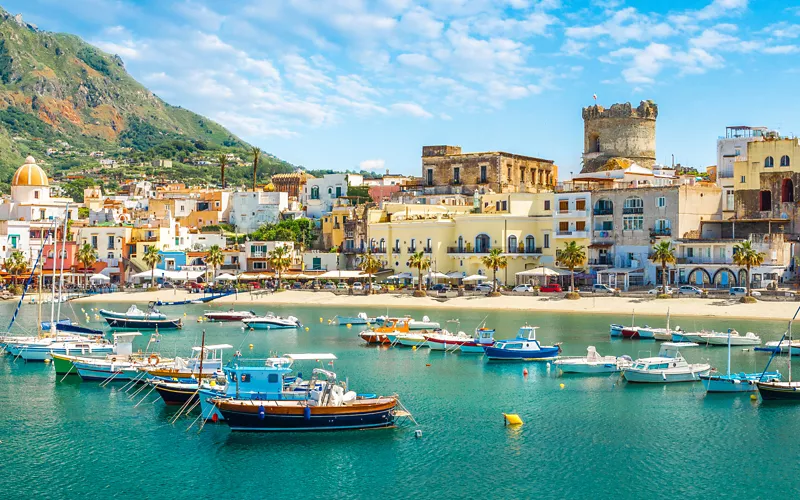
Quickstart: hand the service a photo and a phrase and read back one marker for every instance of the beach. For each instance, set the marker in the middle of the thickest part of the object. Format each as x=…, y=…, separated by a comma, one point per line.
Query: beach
x=683, y=306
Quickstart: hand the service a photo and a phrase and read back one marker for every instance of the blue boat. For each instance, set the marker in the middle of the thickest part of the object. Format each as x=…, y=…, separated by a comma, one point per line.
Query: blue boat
x=524, y=347
x=201, y=300
x=736, y=382
x=66, y=325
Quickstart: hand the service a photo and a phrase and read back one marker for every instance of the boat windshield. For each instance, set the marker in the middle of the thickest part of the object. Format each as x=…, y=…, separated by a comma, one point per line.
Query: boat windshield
x=660, y=366
x=513, y=346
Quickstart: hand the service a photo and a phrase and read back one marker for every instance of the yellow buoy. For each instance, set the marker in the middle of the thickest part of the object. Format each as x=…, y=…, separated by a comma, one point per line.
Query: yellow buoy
x=561, y=385
x=212, y=383
x=184, y=315
x=753, y=397
x=413, y=348
x=46, y=360
x=251, y=346
x=512, y=419
x=349, y=325
x=320, y=320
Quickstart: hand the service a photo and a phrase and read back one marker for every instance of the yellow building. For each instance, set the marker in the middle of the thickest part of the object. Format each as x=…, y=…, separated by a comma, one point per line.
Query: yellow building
x=333, y=226
x=455, y=239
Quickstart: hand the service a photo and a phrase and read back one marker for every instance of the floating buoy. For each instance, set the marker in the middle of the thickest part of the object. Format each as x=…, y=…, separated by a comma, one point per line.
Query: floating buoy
x=413, y=348
x=253, y=329
x=753, y=397
x=242, y=328
x=320, y=320
x=251, y=346
x=512, y=419
x=349, y=325
x=561, y=385
x=214, y=418
x=46, y=360
x=525, y=372
x=418, y=433
x=212, y=384
x=184, y=315
x=308, y=329
x=428, y=364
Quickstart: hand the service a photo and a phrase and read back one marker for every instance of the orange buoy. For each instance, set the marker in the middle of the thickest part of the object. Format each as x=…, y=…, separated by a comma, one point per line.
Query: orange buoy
x=525, y=372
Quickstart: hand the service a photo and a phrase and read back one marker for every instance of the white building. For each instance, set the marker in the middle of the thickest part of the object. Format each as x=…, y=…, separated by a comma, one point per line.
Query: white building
x=730, y=149
x=319, y=194
x=250, y=210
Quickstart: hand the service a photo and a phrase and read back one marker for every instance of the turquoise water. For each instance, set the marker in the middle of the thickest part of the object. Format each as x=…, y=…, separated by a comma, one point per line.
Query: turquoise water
x=595, y=438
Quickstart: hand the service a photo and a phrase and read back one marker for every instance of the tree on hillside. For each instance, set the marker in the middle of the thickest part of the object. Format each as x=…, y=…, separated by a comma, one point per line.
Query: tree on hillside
x=223, y=162
x=256, y=155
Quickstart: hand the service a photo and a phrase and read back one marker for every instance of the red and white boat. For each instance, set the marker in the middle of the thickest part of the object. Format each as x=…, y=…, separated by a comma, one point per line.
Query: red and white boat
x=229, y=315
x=630, y=332
x=446, y=341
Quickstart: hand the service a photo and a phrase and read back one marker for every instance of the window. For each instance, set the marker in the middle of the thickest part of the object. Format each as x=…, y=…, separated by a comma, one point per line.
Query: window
x=482, y=244
x=94, y=241
x=456, y=175
x=633, y=205
x=580, y=225
x=769, y=162
x=505, y=205
x=413, y=247
x=547, y=204
x=314, y=192
x=580, y=205
x=785, y=161
x=483, y=174
x=522, y=175
x=428, y=244
x=604, y=207
x=36, y=194
x=787, y=191
x=497, y=205
x=429, y=178
x=397, y=245
x=742, y=180
x=110, y=255
x=259, y=265
x=662, y=227
x=563, y=227
x=765, y=200
x=12, y=239
x=633, y=223
x=42, y=214
x=512, y=244
x=547, y=240
x=338, y=191
x=661, y=202
x=530, y=244
x=330, y=190
x=509, y=174
x=729, y=199
x=110, y=243
x=563, y=205
x=273, y=378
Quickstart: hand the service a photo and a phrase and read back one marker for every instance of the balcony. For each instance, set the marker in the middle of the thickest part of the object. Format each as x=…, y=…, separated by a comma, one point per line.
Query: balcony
x=604, y=211
x=633, y=210
x=229, y=267
x=465, y=250
x=603, y=234
x=525, y=251
x=396, y=250
x=427, y=250
x=578, y=214
x=572, y=234
x=378, y=250
x=703, y=260
x=602, y=261
x=412, y=249
x=661, y=232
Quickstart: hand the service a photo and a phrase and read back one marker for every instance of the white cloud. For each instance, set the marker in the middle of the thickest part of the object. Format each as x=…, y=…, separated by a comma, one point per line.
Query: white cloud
x=201, y=15
x=126, y=50
x=573, y=48
x=420, y=21
x=782, y=49
x=712, y=38
x=418, y=61
x=377, y=164
x=782, y=30
x=411, y=109
x=622, y=26
x=262, y=68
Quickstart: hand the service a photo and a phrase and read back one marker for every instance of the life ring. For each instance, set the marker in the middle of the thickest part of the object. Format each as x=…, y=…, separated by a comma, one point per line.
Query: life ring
x=153, y=360
x=113, y=360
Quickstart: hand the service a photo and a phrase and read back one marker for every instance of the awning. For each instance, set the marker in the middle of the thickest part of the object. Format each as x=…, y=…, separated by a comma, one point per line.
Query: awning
x=455, y=274
x=225, y=277
x=341, y=275
x=539, y=271
x=621, y=270
x=99, y=277
x=171, y=275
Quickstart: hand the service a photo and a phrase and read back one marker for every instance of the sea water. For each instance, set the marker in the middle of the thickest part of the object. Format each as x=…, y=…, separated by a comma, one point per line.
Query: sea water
x=595, y=437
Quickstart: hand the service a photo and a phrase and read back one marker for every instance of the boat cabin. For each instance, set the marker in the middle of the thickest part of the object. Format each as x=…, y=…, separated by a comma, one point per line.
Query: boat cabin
x=269, y=379
x=658, y=363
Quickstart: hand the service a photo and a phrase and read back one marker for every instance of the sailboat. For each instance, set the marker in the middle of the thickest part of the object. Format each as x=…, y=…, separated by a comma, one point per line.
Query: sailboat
x=735, y=382
x=778, y=390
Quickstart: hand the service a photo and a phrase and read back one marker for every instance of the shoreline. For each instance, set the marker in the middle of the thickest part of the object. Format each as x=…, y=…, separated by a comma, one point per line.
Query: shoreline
x=605, y=305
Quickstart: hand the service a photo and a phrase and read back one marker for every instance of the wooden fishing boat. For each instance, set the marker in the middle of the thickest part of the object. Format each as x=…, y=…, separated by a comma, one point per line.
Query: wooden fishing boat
x=145, y=324
x=175, y=393
x=210, y=356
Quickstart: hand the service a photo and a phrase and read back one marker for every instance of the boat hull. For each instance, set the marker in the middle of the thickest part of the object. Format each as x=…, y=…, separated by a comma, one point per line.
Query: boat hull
x=43, y=353
x=616, y=330
x=92, y=372
x=659, y=377
x=154, y=316
x=374, y=338
x=270, y=326
x=746, y=382
x=588, y=368
x=219, y=317
x=779, y=391
x=343, y=320
x=175, y=395
x=630, y=333
x=543, y=354
x=144, y=324
x=293, y=418
x=445, y=345
x=474, y=347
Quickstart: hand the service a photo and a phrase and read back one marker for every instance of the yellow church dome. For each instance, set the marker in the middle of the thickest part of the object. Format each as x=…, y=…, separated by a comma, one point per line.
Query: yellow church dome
x=30, y=174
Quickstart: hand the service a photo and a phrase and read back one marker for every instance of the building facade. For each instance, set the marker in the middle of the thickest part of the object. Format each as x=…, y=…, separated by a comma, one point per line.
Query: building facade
x=620, y=131
x=319, y=194
x=250, y=210
x=730, y=149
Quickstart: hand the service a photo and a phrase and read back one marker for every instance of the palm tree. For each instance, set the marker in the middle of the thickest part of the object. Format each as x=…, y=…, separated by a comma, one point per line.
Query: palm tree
x=421, y=263
x=152, y=258
x=572, y=256
x=665, y=254
x=494, y=260
x=214, y=258
x=280, y=260
x=370, y=265
x=223, y=162
x=744, y=255
x=256, y=155
x=87, y=256
x=16, y=264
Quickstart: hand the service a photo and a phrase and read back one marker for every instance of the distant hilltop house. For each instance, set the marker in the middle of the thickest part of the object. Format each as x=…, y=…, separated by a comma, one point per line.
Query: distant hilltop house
x=161, y=163
x=97, y=154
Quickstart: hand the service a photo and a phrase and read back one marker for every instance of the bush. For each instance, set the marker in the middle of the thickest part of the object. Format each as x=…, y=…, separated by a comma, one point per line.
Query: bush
x=572, y=296
x=663, y=296
x=748, y=300
x=15, y=289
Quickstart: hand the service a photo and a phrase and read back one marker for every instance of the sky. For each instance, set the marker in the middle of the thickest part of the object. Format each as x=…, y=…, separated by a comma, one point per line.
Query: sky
x=352, y=84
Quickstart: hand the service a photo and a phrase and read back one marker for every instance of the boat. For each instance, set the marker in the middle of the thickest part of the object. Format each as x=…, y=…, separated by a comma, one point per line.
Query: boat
x=175, y=393
x=524, y=347
x=628, y=332
x=662, y=369
x=616, y=330
x=272, y=322
x=209, y=356
x=200, y=300
x=483, y=338
x=134, y=312
x=229, y=315
x=735, y=382
x=329, y=406
x=66, y=325
x=360, y=319
x=733, y=338
x=782, y=347
x=408, y=339
x=259, y=379
x=593, y=362
x=447, y=341
x=779, y=390
x=379, y=333
x=673, y=349
x=425, y=324
x=145, y=324
x=42, y=349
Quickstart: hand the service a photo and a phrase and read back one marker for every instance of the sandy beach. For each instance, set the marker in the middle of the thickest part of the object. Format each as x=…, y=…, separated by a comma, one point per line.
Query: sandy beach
x=694, y=307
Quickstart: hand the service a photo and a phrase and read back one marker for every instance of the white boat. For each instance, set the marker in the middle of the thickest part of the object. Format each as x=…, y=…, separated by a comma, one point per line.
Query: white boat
x=134, y=312
x=736, y=382
x=782, y=345
x=272, y=322
x=410, y=339
x=446, y=341
x=719, y=338
x=593, y=363
x=360, y=319
x=229, y=315
x=425, y=324
x=661, y=370
x=43, y=348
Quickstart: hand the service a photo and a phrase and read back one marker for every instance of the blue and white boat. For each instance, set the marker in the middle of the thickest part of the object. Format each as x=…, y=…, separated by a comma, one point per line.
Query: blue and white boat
x=616, y=330
x=524, y=347
x=735, y=382
x=272, y=322
x=267, y=379
x=134, y=312
x=360, y=319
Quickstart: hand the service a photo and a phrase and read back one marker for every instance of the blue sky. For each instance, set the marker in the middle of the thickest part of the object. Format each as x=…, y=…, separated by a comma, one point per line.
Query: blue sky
x=356, y=83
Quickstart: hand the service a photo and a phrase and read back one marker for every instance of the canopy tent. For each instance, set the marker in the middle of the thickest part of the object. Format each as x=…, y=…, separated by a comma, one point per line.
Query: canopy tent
x=455, y=275
x=538, y=272
x=476, y=277
x=344, y=275
x=225, y=277
x=168, y=275
x=99, y=278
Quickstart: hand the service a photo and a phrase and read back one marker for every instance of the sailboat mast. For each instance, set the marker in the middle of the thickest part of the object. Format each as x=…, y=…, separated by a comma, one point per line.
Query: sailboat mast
x=53, y=287
x=41, y=277
x=202, y=352
x=729, y=352
x=790, y=350
x=61, y=271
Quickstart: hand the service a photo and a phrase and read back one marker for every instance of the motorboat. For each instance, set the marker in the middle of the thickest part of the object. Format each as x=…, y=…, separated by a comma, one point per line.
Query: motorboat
x=483, y=338
x=209, y=356
x=593, y=362
x=229, y=315
x=42, y=349
x=775, y=389
x=134, y=312
x=379, y=334
x=145, y=324
x=260, y=379
x=662, y=369
x=408, y=339
x=447, y=341
x=735, y=382
x=425, y=324
x=329, y=406
x=360, y=319
x=780, y=346
x=272, y=322
x=524, y=347
x=616, y=330
x=732, y=338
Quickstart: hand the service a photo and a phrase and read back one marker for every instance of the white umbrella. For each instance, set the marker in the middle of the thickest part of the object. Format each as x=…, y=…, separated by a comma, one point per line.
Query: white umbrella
x=476, y=277
x=225, y=277
x=455, y=274
x=99, y=277
x=539, y=271
x=436, y=275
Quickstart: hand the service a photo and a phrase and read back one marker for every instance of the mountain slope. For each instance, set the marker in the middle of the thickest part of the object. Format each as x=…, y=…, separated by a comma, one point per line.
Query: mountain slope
x=57, y=87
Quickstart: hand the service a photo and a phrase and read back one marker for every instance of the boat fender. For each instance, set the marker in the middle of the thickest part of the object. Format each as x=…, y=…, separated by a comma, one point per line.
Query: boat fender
x=307, y=413
x=215, y=418
x=153, y=360
x=113, y=360
x=261, y=412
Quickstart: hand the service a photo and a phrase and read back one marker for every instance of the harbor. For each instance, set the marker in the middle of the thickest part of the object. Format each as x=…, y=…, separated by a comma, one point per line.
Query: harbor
x=89, y=429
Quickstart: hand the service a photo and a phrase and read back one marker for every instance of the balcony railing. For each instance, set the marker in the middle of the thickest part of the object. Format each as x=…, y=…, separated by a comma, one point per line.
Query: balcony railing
x=412, y=249
x=396, y=250
x=526, y=251
x=229, y=266
x=604, y=211
x=427, y=250
x=573, y=234
x=467, y=250
x=607, y=261
x=661, y=232
x=633, y=210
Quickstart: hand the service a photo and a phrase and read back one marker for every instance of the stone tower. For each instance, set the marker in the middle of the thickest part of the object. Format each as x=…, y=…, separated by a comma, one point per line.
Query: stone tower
x=620, y=131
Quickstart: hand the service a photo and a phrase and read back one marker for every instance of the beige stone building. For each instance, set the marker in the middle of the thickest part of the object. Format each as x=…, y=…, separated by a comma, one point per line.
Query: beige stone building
x=620, y=131
x=448, y=169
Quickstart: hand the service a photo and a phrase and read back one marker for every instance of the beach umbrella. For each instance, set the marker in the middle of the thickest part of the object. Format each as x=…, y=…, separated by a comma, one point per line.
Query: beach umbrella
x=99, y=278
x=476, y=277
x=225, y=277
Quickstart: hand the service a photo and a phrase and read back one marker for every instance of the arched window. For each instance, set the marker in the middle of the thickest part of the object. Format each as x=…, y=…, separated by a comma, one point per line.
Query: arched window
x=787, y=191
x=482, y=243
x=769, y=162
x=512, y=244
x=330, y=190
x=604, y=207
x=785, y=162
x=765, y=201
x=460, y=243
x=633, y=205
x=382, y=246
x=530, y=244
x=314, y=192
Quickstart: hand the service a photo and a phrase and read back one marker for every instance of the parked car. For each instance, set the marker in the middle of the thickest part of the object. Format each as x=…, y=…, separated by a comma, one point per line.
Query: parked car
x=440, y=287
x=358, y=286
x=375, y=287
x=659, y=290
x=553, y=287
x=297, y=286
x=523, y=288
x=601, y=288
x=689, y=290
x=329, y=286
x=740, y=291
x=483, y=287
x=341, y=286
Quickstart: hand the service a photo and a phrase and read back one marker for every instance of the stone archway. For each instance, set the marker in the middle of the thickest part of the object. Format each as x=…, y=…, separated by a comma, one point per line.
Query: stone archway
x=698, y=276
x=725, y=278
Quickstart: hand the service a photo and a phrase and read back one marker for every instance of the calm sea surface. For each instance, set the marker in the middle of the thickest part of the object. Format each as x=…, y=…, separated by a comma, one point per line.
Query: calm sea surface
x=596, y=437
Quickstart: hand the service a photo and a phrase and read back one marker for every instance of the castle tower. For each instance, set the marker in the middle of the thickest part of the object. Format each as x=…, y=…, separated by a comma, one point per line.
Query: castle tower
x=620, y=131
